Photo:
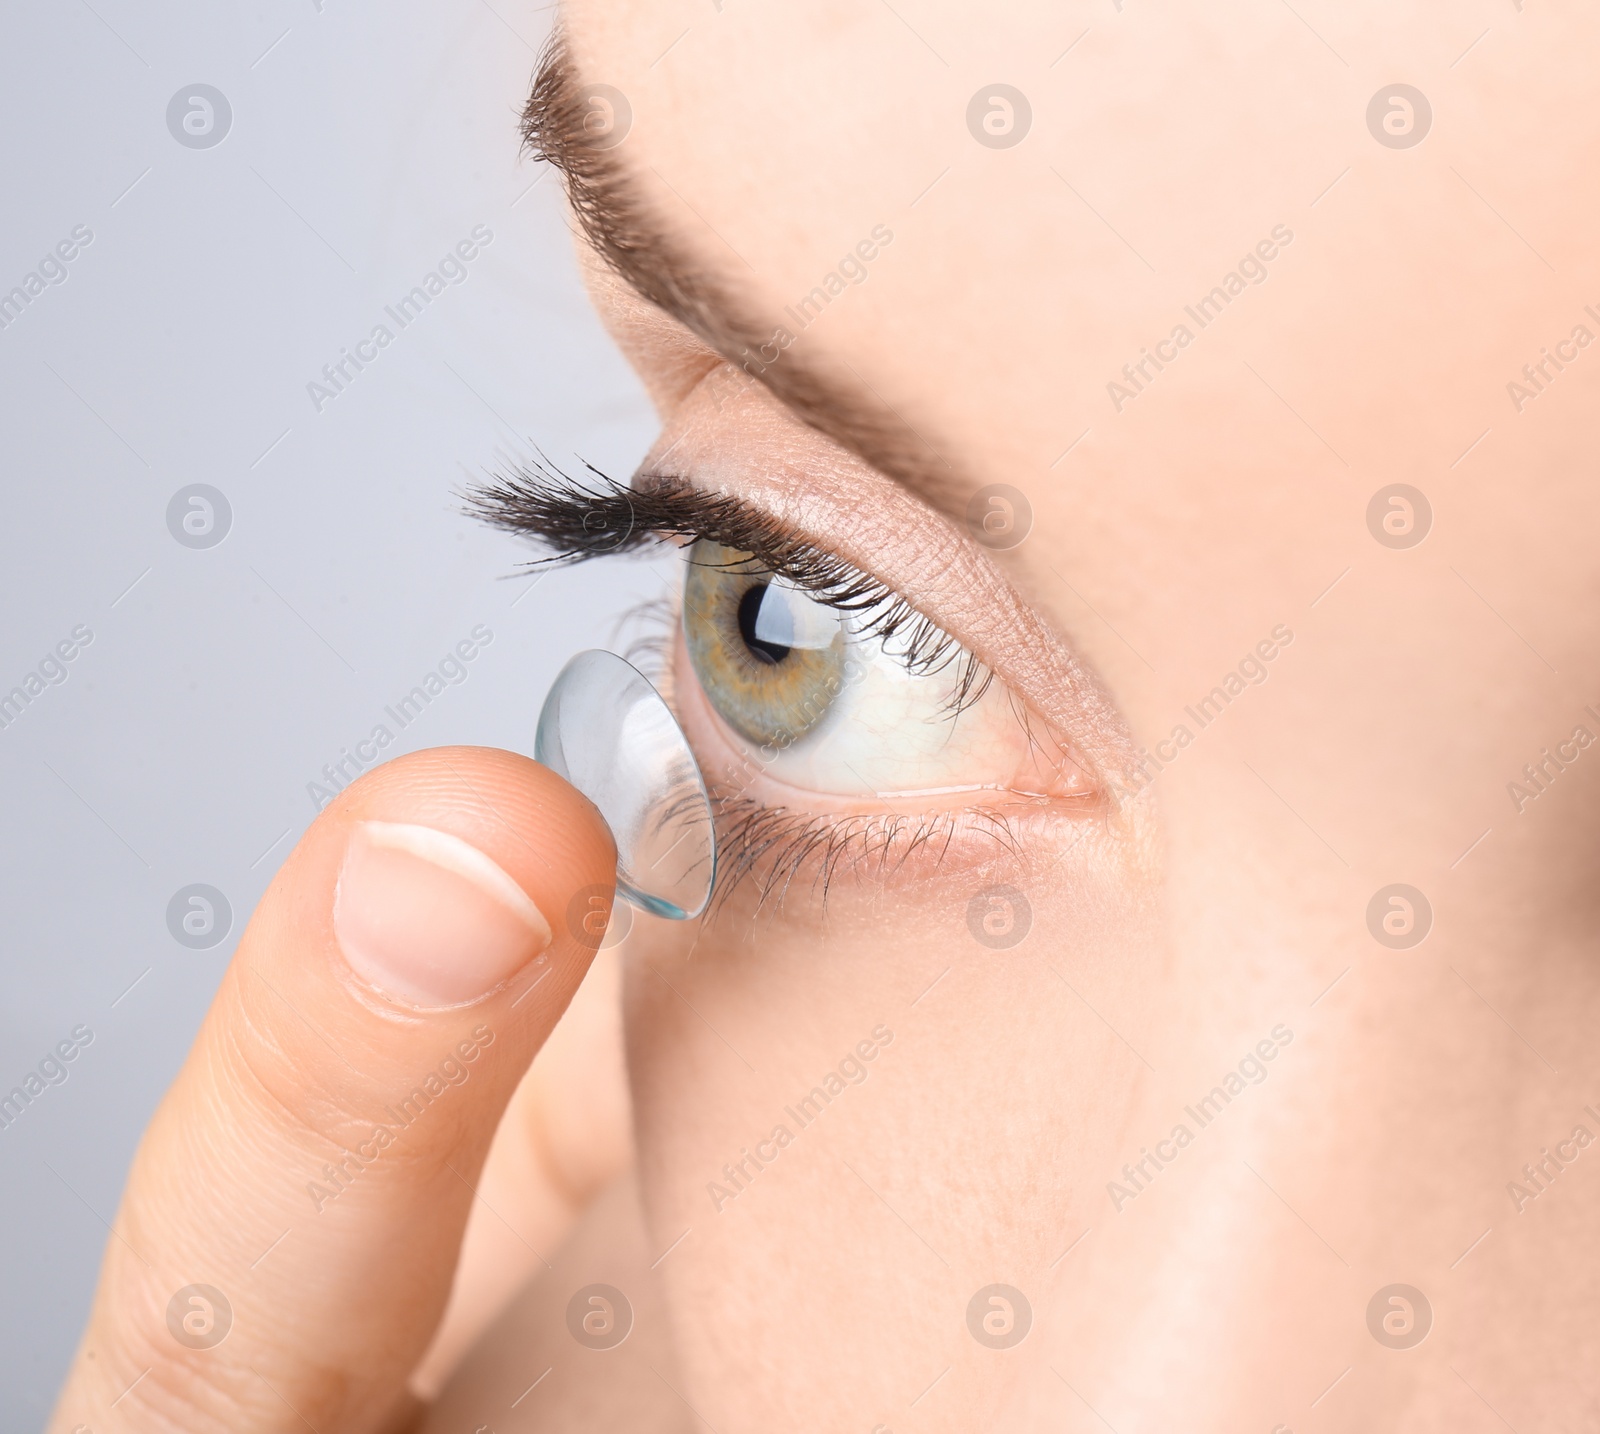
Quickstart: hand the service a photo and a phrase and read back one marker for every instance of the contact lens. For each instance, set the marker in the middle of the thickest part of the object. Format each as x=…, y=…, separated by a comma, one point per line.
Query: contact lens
x=607, y=731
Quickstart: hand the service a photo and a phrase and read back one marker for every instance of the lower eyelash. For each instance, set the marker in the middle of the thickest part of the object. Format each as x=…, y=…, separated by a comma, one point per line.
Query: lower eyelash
x=774, y=846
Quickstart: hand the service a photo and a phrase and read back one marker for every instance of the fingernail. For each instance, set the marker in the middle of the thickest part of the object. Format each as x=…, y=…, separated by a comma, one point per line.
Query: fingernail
x=428, y=919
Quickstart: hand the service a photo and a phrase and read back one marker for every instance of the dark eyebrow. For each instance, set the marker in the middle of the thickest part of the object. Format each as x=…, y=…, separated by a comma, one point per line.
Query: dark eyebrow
x=607, y=201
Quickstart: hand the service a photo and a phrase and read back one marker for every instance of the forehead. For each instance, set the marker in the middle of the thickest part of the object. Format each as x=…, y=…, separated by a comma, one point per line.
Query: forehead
x=1068, y=186
x=1154, y=149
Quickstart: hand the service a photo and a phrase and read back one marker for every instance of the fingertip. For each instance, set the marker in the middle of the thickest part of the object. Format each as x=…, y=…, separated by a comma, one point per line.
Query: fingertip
x=521, y=818
x=500, y=794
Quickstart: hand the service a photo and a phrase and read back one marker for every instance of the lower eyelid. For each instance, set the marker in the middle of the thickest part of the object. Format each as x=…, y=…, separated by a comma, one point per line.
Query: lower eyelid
x=781, y=851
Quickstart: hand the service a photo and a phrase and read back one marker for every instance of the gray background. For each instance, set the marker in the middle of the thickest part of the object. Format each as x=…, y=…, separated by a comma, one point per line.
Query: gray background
x=366, y=141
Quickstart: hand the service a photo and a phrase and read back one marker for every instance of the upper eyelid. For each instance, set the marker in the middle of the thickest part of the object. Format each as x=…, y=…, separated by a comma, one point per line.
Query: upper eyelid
x=756, y=449
x=579, y=520
x=966, y=597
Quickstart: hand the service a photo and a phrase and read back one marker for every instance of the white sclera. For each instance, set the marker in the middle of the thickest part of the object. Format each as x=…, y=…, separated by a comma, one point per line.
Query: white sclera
x=607, y=731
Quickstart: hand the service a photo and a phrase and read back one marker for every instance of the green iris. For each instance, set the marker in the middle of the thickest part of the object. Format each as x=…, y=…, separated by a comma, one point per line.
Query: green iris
x=770, y=659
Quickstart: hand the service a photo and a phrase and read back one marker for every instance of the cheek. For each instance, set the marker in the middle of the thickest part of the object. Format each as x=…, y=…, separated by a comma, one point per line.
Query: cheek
x=999, y=1076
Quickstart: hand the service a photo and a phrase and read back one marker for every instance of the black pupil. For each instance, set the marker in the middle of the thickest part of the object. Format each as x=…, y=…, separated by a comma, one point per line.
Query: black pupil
x=749, y=605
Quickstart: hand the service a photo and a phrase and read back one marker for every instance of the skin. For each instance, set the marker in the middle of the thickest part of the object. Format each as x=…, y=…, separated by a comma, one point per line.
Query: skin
x=295, y=1065
x=1187, y=919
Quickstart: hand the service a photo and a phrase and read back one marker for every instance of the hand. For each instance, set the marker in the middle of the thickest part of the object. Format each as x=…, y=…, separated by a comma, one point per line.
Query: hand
x=293, y=1217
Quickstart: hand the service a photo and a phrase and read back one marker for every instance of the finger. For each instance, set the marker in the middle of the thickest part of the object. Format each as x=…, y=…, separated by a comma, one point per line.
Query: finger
x=286, y=1240
x=567, y=1134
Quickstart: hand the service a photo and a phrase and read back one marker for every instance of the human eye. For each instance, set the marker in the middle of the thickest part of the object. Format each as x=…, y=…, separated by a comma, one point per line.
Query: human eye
x=827, y=683
x=838, y=725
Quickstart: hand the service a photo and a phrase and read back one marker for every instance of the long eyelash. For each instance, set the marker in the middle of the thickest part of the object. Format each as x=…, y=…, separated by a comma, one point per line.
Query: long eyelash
x=582, y=519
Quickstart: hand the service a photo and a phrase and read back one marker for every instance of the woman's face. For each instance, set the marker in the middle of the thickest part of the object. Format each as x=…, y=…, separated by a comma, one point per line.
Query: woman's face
x=1216, y=387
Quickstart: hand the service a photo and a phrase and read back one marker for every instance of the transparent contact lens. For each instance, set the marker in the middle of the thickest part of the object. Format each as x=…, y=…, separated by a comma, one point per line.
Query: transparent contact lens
x=607, y=731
